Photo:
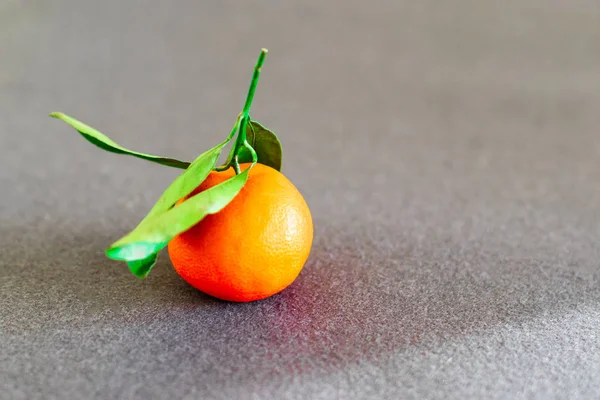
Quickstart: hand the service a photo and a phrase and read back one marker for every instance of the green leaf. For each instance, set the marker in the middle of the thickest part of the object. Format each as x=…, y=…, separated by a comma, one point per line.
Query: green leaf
x=190, y=179
x=141, y=268
x=155, y=232
x=104, y=142
x=140, y=247
x=265, y=143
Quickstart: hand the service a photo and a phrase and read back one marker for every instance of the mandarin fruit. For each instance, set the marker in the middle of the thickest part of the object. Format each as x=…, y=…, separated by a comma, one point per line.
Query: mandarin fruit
x=254, y=247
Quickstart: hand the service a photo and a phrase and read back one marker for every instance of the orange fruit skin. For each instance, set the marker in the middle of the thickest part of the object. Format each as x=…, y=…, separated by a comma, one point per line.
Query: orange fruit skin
x=253, y=248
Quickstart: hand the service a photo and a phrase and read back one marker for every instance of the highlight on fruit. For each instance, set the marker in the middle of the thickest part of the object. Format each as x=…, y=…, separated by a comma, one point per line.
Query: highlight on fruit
x=273, y=246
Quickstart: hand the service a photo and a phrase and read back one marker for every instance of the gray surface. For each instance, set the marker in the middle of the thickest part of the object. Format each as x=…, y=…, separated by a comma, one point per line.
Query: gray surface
x=449, y=152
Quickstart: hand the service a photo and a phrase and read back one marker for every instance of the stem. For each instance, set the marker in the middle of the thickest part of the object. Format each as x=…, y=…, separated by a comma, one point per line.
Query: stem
x=246, y=110
x=254, y=81
x=234, y=130
x=236, y=166
x=251, y=150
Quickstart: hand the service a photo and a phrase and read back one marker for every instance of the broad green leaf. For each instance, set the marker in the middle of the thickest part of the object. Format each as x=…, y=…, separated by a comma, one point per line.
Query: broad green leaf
x=105, y=143
x=265, y=143
x=141, y=268
x=155, y=232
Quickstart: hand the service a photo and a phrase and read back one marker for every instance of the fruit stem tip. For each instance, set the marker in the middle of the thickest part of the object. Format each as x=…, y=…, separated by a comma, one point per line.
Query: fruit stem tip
x=253, y=83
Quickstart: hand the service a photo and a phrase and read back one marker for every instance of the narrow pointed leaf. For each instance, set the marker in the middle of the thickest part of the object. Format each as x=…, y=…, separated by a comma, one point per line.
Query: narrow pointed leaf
x=141, y=246
x=192, y=177
x=104, y=142
x=189, y=180
x=155, y=232
x=266, y=145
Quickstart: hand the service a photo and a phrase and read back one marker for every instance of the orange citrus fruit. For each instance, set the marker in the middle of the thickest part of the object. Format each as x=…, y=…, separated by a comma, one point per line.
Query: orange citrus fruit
x=253, y=248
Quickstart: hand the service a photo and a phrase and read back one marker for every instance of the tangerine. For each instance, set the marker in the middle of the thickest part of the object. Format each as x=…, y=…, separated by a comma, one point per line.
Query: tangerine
x=254, y=247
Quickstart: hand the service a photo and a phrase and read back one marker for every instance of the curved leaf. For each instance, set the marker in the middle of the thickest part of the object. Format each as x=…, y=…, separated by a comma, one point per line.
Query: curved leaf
x=191, y=178
x=141, y=246
x=265, y=143
x=105, y=143
x=155, y=232
x=141, y=268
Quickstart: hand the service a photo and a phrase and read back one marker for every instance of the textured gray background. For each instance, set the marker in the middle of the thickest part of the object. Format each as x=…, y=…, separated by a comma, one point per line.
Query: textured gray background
x=449, y=151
